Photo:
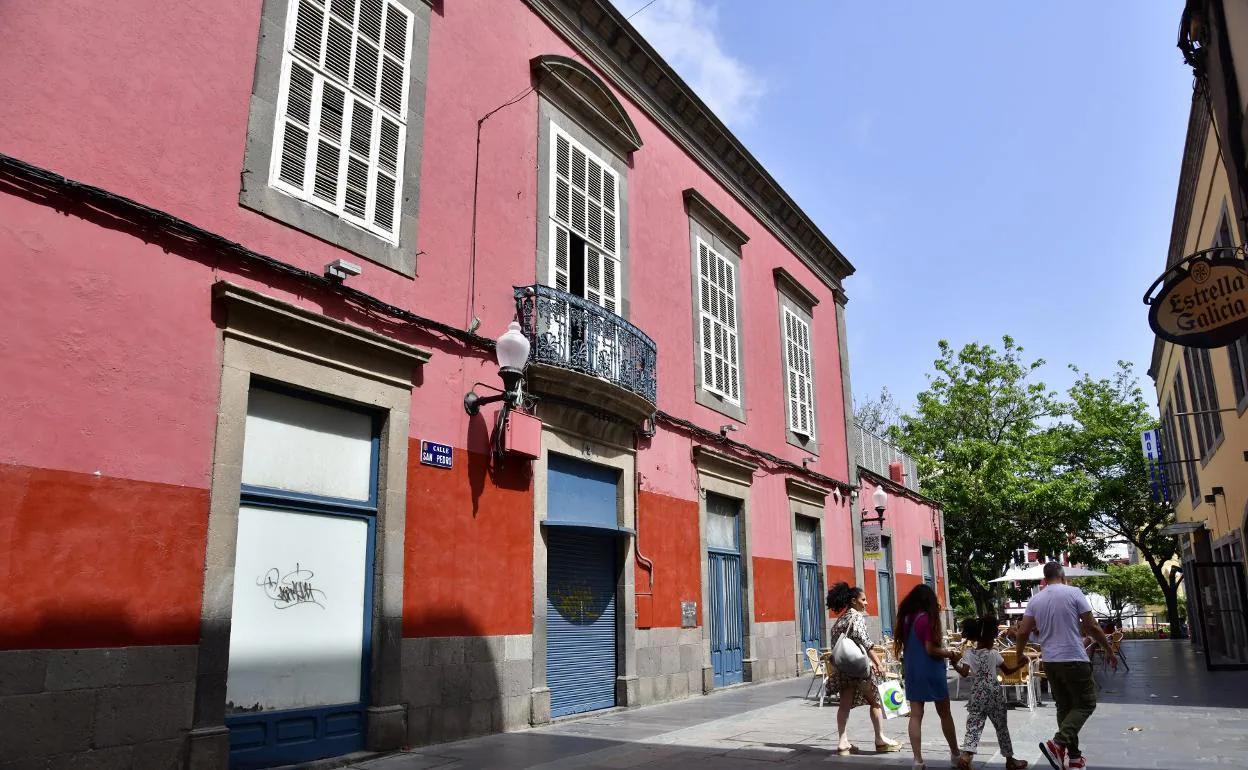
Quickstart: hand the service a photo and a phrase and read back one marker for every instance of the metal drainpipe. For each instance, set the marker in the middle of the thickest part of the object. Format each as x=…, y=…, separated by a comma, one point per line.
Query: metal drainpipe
x=642, y=560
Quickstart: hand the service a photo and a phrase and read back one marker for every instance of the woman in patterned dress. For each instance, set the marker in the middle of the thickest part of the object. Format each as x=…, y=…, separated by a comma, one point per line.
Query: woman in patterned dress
x=851, y=603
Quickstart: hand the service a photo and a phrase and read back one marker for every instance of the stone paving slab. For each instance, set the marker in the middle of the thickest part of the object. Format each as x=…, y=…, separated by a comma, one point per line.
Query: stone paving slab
x=1167, y=713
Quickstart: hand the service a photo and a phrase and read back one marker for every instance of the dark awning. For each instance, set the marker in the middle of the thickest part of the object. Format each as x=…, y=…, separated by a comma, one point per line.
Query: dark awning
x=1183, y=527
x=590, y=527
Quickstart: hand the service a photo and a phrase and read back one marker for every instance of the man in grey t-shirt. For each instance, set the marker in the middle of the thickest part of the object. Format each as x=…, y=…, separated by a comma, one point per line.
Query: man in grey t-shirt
x=1061, y=615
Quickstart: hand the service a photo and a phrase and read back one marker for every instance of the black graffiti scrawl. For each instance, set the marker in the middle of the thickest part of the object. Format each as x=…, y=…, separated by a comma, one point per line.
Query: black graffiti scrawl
x=291, y=589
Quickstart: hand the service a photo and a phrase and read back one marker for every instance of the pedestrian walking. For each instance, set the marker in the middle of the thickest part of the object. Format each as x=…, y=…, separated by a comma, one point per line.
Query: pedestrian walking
x=918, y=638
x=850, y=602
x=980, y=665
x=1060, y=615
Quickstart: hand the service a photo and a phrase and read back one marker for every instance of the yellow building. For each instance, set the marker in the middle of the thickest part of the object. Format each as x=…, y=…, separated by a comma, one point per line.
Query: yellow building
x=1202, y=394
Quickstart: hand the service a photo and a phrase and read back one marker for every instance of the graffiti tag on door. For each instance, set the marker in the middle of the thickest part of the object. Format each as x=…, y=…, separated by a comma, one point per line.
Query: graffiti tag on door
x=292, y=588
x=577, y=603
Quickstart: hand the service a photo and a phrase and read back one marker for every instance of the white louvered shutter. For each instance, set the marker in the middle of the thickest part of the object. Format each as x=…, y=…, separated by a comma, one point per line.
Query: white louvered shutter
x=584, y=199
x=798, y=373
x=342, y=109
x=717, y=297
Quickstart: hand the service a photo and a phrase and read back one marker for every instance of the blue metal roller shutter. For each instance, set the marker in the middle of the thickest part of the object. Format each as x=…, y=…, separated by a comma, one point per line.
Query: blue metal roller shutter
x=580, y=622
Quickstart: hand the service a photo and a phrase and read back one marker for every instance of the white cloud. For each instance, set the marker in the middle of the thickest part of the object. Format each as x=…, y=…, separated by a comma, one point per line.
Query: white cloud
x=684, y=33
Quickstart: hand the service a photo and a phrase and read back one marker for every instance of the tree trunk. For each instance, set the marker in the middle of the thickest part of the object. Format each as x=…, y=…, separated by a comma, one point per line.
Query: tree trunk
x=982, y=597
x=1169, y=589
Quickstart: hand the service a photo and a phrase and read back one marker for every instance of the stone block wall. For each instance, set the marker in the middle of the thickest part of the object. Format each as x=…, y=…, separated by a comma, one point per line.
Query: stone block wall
x=773, y=651
x=669, y=664
x=124, y=707
x=461, y=686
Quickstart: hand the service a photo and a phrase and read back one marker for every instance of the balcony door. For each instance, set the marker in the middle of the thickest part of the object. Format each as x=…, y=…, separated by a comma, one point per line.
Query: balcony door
x=584, y=224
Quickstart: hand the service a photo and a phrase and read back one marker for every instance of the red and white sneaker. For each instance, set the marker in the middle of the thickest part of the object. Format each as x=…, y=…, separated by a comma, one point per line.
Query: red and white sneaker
x=1076, y=763
x=1055, y=754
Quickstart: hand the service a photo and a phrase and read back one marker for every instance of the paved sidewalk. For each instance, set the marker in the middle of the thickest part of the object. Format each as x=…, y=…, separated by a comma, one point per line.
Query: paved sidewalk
x=1167, y=712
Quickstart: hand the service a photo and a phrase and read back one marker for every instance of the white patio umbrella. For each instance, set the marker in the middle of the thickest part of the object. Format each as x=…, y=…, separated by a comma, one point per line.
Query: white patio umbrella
x=1036, y=572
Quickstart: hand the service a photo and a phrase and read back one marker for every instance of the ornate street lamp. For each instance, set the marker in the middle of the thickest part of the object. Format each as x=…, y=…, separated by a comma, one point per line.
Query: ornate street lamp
x=512, y=353
x=880, y=498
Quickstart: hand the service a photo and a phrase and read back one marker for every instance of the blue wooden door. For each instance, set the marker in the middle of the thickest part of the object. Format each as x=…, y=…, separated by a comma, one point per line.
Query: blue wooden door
x=727, y=616
x=727, y=638
x=810, y=603
x=580, y=622
x=886, y=600
x=806, y=553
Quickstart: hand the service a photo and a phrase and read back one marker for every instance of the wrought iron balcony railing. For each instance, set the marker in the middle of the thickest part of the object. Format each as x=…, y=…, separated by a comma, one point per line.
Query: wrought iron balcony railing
x=574, y=333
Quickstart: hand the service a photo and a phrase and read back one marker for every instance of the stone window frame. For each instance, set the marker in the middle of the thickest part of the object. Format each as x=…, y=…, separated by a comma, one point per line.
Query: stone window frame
x=569, y=432
x=260, y=196
x=931, y=545
x=708, y=224
x=810, y=502
x=266, y=338
x=1202, y=387
x=729, y=477
x=797, y=299
x=549, y=114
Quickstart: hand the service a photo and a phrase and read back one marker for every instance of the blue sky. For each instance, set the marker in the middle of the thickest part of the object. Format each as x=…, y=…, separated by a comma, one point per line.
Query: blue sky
x=989, y=168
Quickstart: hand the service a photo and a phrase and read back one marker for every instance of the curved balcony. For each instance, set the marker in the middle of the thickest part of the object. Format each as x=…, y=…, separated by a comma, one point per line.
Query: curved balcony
x=583, y=351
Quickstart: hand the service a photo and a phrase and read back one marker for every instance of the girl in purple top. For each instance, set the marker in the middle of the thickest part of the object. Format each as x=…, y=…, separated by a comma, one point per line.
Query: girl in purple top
x=918, y=638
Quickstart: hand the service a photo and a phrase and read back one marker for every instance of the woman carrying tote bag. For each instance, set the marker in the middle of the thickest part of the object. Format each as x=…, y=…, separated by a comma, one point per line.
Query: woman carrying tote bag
x=857, y=688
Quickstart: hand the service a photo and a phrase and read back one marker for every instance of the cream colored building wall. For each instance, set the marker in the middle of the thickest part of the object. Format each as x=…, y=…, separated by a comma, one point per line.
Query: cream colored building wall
x=1226, y=467
x=1236, y=12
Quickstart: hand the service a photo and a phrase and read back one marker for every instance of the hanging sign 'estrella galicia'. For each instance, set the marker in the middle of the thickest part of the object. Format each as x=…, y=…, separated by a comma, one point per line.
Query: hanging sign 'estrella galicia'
x=1203, y=301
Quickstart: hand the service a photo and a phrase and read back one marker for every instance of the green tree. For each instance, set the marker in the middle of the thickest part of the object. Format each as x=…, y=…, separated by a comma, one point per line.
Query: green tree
x=983, y=439
x=877, y=414
x=1126, y=585
x=1103, y=443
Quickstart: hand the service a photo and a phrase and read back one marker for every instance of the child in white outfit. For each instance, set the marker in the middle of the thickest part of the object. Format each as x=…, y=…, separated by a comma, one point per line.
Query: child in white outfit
x=986, y=703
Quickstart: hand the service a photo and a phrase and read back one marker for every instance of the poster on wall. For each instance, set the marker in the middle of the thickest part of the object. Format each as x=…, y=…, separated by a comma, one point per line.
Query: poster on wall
x=297, y=631
x=872, y=544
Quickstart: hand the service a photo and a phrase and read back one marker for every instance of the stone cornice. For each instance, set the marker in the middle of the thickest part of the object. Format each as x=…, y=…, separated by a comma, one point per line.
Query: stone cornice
x=796, y=291
x=279, y=325
x=605, y=38
x=725, y=466
x=806, y=493
x=569, y=82
x=1189, y=172
x=700, y=208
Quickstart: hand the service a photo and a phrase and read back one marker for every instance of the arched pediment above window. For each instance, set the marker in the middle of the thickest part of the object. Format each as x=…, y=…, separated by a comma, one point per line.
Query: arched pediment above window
x=575, y=87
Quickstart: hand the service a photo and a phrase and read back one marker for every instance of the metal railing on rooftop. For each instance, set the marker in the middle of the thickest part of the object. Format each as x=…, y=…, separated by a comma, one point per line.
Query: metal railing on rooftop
x=875, y=454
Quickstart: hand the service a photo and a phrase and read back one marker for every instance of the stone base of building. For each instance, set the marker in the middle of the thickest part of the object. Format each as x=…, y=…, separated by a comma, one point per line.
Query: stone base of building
x=463, y=686
x=114, y=707
x=669, y=664
x=772, y=650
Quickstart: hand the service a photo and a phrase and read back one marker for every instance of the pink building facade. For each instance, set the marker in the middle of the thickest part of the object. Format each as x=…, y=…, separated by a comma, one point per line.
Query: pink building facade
x=245, y=516
x=912, y=533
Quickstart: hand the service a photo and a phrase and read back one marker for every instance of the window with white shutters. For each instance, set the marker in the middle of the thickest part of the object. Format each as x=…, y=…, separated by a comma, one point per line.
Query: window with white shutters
x=800, y=390
x=584, y=224
x=341, y=119
x=717, y=306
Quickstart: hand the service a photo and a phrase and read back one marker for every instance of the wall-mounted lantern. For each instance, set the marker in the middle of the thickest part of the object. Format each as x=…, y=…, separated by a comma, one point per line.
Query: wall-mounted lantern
x=522, y=433
x=880, y=498
x=512, y=353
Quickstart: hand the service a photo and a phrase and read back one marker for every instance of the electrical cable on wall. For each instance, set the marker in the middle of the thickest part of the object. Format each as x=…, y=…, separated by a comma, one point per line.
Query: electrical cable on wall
x=153, y=224
x=149, y=219
x=472, y=321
